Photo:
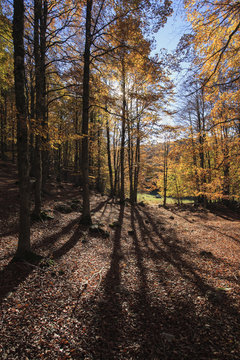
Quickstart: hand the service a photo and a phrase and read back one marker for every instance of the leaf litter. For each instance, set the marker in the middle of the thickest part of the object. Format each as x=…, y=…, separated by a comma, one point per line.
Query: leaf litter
x=145, y=295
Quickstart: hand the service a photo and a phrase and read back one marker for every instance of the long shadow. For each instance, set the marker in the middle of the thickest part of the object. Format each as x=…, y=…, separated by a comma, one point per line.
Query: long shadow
x=16, y=272
x=163, y=323
x=52, y=239
x=12, y=275
x=100, y=206
x=66, y=247
x=221, y=233
x=210, y=227
x=108, y=312
x=146, y=322
x=13, y=231
x=104, y=209
x=173, y=255
x=231, y=215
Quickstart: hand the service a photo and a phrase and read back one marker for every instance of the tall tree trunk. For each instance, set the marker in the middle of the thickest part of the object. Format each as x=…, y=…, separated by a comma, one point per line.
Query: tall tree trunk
x=32, y=115
x=99, y=180
x=194, y=157
x=116, y=165
x=3, y=115
x=86, y=215
x=41, y=153
x=201, y=139
x=13, y=132
x=165, y=173
x=76, y=142
x=2, y=131
x=130, y=160
x=44, y=120
x=226, y=166
x=22, y=130
x=38, y=83
x=137, y=160
x=109, y=159
x=59, y=163
x=122, y=150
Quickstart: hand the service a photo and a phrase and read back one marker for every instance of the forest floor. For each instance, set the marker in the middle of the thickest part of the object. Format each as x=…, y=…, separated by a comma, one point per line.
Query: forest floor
x=165, y=283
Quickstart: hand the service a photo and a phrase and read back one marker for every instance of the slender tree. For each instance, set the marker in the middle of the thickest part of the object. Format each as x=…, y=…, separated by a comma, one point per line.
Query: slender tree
x=86, y=216
x=22, y=130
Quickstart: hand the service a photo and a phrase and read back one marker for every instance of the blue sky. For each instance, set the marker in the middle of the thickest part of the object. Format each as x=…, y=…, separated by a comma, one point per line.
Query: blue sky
x=169, y=36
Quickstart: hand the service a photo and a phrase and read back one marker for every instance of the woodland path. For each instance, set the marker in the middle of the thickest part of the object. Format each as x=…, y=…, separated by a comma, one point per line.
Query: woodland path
x=164, y=285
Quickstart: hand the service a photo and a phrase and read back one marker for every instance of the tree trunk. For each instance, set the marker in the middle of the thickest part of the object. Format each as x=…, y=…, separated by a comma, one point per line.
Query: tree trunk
x=165, y=173
x=201, y=140
x=194, y=158
x=2, y=131
x=116, y=164
x=32, y=115
x=130, y=160
x=13, y=132
x=226, y=167
x=109, y=160
x=22, y=130
x=99, y=180
x=38, y=83
x=122, y=150
x=137, y=160
x=44, y=120
x=76, y=142
x=86, y=216
x=3, y=115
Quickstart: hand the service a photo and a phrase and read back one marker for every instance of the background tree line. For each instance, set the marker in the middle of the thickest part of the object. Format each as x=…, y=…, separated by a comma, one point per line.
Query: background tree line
x=203, y=147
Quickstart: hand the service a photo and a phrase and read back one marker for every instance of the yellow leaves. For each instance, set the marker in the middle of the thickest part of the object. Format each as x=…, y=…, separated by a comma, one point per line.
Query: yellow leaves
x=216, y=41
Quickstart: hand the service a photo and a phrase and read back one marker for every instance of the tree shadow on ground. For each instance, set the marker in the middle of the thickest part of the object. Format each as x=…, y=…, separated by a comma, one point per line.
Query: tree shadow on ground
x=101, y=205
x=109, y=312
x=221, y=233
x=12, y=275
x=171, y=313
x=49, y=241
x=71, y=242
x=224, y=212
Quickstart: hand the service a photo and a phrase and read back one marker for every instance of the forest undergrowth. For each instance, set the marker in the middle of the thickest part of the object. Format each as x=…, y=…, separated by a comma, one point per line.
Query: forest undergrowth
x=145, y=282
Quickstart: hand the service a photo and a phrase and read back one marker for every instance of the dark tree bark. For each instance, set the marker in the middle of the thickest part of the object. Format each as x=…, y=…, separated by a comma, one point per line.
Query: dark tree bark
x=38, y=83
x=32, y=115
x=22, y=130
x=122, y=150
x=201, y=140
x=99, y=183
x=137, y=159
x=194, y=158
x=165, y=172
x=41, y=153
x=77, y=141
x=130, y=158
x=3, y=116
x=226, y=166
x=86, y=216
x=109, y=160
x=116, y=162
x=44, y=120
x=13, y=132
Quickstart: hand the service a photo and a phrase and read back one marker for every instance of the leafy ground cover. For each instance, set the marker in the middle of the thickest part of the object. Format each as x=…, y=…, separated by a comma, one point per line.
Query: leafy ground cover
x=162, y=283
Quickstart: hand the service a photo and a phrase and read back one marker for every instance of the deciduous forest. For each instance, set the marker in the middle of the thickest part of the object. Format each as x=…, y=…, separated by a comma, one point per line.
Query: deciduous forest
x=119, y=180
